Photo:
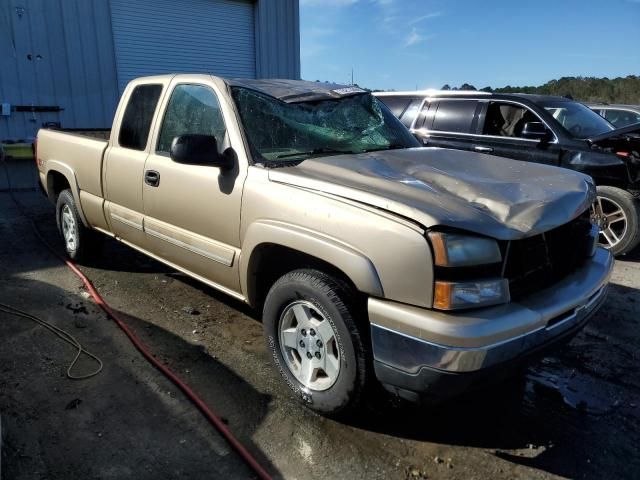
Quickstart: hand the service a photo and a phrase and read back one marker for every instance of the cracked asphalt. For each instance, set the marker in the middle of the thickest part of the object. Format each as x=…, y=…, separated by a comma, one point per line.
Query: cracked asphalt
x=574, y=414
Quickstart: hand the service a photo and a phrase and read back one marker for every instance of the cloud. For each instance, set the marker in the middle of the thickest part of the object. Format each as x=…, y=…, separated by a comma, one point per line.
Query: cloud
x=414, y=38
x=328, y=3
x=427, y=17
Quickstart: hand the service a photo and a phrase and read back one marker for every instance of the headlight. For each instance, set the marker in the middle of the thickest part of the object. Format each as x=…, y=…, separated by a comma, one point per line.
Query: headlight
x=457, y=257
x=456, y=250
x=479, y=293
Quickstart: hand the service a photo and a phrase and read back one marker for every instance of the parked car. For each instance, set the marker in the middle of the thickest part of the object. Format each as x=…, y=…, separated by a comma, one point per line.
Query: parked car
x=367, y=256
x=541, y=129
x=618, y=115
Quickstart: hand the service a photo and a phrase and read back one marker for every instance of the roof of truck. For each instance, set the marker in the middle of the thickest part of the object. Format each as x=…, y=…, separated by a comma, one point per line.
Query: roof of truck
x=292, y=91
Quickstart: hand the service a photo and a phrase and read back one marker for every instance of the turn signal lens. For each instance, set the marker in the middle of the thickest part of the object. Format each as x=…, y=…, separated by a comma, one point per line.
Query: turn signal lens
x=482, y=293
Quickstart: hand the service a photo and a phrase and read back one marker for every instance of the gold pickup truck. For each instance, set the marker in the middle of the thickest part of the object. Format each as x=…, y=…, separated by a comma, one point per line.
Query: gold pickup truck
x=371, y=259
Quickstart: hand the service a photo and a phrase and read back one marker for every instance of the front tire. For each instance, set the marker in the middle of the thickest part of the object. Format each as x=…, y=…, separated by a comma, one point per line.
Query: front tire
x=617, y=213
x=315, y=341
x=79, y=241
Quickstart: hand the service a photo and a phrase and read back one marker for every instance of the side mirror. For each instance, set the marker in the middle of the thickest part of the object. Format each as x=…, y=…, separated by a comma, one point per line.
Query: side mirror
x=535, y=131
x=194, y=149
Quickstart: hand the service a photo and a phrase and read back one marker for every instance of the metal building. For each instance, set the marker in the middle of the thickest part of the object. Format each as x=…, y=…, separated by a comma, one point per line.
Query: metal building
x=67, y=61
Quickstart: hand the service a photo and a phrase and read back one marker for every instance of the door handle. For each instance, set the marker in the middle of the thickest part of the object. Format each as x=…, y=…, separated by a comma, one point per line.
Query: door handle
x=152, y=178
x=483, y=149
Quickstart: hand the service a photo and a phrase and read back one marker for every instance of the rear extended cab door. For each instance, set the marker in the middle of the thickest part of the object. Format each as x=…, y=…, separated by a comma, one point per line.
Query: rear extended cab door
x=192, y=212
x=447, y=123
x=503, y=137
x=126, y=155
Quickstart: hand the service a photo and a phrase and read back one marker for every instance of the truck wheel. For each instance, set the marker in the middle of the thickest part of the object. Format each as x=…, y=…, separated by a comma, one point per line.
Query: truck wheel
x=316, y=344
x=79, y=240
x=617, y=213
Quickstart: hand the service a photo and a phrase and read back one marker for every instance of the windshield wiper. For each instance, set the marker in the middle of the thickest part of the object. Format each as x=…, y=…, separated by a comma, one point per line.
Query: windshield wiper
x=315, y=151
x=393, y=146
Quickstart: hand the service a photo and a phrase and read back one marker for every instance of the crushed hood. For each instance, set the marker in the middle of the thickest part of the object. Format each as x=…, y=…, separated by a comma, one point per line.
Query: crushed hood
x=497, y=197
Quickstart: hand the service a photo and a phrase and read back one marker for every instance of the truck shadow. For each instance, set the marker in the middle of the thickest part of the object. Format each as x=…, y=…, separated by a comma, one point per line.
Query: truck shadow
x=129, y=411
x=632, y=256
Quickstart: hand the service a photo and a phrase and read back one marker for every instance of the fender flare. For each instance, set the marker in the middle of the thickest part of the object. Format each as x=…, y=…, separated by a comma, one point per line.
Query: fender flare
x=355, y=265
x=68, y=173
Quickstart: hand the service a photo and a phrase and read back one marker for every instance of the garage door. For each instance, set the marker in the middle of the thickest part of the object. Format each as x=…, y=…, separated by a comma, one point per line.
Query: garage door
x=164, y=36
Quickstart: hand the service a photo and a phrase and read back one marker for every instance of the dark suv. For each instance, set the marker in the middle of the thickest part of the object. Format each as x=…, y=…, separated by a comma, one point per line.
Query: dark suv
x=537, y=128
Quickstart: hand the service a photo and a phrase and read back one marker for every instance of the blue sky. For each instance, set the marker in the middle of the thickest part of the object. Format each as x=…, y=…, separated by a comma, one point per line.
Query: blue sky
x=404, y=44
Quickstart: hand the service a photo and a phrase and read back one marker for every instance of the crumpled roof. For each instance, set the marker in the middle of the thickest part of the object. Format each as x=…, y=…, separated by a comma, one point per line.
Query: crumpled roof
x=293, y=91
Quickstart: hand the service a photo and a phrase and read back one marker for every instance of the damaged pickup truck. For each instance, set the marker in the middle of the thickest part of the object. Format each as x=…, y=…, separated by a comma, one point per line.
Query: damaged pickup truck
x=370, y=259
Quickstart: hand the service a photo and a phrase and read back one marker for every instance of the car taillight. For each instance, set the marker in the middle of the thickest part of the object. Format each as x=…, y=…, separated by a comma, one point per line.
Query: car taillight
x=622, y=154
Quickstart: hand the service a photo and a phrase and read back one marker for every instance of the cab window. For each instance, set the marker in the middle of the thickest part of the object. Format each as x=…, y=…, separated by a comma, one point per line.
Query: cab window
x=136, y=121
x=192, y=109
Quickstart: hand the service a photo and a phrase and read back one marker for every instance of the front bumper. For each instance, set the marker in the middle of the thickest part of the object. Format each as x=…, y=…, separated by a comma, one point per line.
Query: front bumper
x=418, y=351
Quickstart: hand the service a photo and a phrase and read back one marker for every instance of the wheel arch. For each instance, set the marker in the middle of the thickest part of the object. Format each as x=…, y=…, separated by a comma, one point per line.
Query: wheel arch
x=271, y=249
x=60, y=177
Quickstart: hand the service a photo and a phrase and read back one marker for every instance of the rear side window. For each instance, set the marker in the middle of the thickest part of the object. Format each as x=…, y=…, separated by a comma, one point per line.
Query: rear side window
x=621, y=118
x=410, y=112
x=397, y=105
x=192, y=109
x=455, y=116
x=136, y=122
x=507, y=119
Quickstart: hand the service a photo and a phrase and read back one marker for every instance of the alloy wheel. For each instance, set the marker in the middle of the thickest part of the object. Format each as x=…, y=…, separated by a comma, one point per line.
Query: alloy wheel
x=612, y=220
x=309, y=345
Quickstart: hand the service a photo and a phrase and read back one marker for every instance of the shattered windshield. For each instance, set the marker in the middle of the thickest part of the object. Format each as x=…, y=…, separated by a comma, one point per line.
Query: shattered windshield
x=580, y=121
x=282, y=132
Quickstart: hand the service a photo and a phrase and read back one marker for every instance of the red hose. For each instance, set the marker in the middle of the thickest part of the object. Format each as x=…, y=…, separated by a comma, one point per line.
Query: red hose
x=142, y=348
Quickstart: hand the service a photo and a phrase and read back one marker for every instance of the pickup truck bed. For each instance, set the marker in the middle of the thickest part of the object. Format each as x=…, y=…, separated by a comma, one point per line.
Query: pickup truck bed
x=84, y=149
x=99, y=133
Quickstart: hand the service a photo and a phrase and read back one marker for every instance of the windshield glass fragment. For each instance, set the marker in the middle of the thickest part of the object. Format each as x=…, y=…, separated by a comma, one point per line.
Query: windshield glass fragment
x=281, y=132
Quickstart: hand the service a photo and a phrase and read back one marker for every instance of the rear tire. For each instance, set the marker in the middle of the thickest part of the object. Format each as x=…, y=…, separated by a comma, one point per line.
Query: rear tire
x=316, y=344
x=80, y=242
x=617, y=212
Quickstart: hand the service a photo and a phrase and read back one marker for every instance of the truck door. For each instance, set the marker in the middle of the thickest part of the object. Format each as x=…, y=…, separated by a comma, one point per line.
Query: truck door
x=124, y=162
x=500, y=132
x=192, y=212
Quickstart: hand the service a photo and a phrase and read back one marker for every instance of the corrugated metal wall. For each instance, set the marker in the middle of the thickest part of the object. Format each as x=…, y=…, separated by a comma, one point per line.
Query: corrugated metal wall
x=61, y=53
x=159, y=36
x=278, y=39
x=56, y=53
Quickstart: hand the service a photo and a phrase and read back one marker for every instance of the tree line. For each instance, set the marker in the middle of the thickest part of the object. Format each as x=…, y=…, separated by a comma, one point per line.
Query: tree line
x=584, y=89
